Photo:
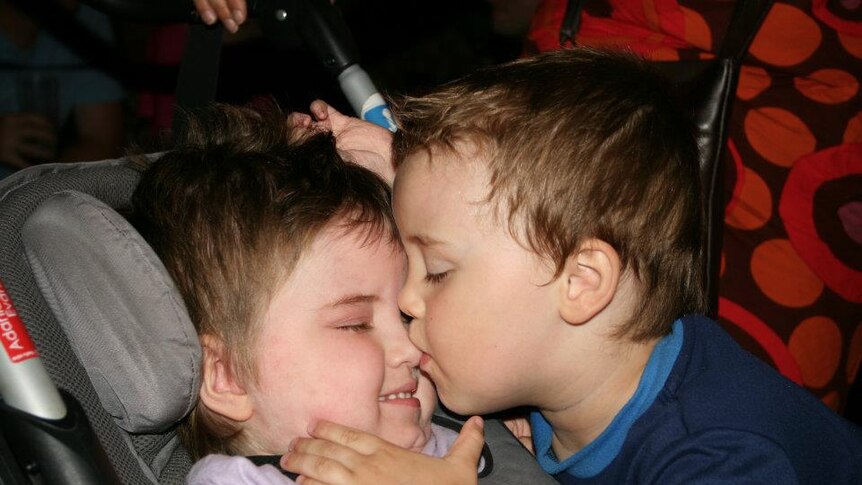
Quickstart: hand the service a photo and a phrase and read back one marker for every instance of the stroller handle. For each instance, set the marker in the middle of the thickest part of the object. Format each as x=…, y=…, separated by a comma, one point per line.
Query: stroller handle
x=317, y=23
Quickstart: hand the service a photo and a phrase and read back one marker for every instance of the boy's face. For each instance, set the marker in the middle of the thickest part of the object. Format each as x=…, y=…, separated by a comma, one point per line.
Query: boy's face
x=333, y=346
x=483, y=312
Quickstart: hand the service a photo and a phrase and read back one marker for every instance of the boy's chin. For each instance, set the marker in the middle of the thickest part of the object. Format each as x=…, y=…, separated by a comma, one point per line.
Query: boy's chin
x=464, y=407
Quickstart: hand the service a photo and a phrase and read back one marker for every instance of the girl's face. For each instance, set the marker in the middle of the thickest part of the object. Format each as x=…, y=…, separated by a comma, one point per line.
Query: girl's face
x=333, y=346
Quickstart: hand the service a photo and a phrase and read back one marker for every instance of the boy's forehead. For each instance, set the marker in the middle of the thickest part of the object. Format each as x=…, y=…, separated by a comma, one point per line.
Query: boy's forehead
x=439, y=191
x=440, y=180
x=445, y=164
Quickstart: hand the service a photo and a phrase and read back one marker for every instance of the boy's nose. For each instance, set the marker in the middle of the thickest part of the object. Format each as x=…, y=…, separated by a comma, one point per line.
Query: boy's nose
x=410, y=302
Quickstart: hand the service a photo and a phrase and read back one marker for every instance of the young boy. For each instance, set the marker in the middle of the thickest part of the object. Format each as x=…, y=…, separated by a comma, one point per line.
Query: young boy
x=289, y=263
x=549, y=209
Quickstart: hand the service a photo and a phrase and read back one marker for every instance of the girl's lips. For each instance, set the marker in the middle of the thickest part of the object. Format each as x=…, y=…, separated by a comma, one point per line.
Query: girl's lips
x=409, y=402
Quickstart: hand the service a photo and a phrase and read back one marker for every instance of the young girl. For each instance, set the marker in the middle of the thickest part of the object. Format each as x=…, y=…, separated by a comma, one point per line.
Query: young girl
x=289, y=262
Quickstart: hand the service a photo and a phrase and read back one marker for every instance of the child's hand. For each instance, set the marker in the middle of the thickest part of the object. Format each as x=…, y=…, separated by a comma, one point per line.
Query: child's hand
x=341, y=456
x=367, y=144
x=231, y=13
x=520, y=427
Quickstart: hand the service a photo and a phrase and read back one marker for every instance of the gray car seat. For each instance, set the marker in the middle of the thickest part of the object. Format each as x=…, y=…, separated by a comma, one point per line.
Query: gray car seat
x=41, y=212
x=111, y=329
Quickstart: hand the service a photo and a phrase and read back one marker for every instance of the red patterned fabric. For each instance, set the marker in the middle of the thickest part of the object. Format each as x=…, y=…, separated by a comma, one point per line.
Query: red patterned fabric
x=791, y=282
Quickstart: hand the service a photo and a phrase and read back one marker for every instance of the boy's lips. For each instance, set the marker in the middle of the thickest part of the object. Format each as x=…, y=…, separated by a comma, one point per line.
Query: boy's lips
x=423, y=361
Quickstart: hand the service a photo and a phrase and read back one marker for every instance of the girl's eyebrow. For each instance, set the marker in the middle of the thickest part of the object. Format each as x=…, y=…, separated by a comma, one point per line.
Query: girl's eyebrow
x=353, y=299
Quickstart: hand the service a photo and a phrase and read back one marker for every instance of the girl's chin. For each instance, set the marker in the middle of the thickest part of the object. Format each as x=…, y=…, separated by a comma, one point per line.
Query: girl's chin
x=412, y=437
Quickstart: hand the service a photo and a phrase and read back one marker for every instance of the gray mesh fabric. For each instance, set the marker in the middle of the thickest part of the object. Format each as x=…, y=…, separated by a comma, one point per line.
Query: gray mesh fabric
x=113, y=183
x=115, y=301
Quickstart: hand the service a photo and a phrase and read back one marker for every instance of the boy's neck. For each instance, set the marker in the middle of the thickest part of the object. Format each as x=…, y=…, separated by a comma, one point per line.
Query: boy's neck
x=582, y=416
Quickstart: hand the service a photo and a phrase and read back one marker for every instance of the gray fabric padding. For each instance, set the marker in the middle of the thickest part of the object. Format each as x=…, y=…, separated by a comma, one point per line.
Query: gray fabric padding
x=111, y=181
x=513, y=464
x=121, y=312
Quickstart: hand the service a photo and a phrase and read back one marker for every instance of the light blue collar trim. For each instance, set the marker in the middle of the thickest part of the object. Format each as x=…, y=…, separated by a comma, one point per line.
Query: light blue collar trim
x=593, y=458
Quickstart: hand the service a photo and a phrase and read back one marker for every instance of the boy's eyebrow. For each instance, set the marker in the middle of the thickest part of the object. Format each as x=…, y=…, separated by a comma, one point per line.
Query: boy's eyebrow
x=424, y=240
x=352, y=300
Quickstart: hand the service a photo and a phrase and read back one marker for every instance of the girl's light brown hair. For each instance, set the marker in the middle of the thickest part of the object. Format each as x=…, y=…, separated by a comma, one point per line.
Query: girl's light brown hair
x=230, y=211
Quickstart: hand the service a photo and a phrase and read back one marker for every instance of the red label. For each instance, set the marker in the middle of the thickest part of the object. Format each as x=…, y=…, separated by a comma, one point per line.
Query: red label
x=15, y=338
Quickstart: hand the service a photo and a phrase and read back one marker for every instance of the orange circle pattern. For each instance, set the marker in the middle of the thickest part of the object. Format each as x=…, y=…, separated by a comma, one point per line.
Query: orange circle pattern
x=851, y=43
x=816, y=345
x=753, y=205
x=828, y=86
x=783, y=276
x=753, y=80
x=765, y=125
x=787, y=37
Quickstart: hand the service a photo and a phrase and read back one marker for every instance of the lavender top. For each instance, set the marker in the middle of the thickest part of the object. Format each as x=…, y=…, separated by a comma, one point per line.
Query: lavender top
x=231, y=470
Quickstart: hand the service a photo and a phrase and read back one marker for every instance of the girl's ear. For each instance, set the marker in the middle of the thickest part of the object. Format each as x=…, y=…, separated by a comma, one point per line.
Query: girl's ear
x=589, y=281
x=221, y=392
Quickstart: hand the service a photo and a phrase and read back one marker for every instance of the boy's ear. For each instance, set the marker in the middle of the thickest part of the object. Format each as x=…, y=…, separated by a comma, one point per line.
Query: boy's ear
x=589, y=281
x=221, y=392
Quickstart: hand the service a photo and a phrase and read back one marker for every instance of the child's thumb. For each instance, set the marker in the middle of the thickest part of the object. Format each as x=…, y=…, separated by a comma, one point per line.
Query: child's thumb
x=467, y=448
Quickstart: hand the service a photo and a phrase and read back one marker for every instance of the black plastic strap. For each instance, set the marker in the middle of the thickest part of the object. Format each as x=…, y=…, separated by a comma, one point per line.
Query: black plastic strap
x=198, y=79
x=571, y=21
x=748, y=15
x=273, y=460
x=456, y=427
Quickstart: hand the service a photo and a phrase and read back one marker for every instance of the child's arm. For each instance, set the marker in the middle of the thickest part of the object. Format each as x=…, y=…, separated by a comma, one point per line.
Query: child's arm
x=367, y=144
x=342, y=456
x=363, y=142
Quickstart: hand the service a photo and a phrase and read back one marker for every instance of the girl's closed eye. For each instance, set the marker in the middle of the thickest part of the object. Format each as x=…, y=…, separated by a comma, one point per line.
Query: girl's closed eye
x=356, y=327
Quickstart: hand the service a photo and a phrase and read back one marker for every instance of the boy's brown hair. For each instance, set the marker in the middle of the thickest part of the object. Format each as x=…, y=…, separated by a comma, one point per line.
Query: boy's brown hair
x=230, y=211
x=580, y=144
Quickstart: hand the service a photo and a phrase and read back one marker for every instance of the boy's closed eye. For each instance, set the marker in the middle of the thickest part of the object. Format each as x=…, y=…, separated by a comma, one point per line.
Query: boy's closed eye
x=436, y=278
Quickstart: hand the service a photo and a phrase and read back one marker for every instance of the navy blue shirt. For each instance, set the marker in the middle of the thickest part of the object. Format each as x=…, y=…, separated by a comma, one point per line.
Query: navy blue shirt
x=707, y=411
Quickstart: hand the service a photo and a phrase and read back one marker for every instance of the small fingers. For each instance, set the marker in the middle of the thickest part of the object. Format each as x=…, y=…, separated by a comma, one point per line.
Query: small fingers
x=354, y=439
x=327, y=449
x=299, y=120
x=467, y=448
x=304, y=480
x=315, y=467
x=238, y=10
x=319, y=109
x=206, y=12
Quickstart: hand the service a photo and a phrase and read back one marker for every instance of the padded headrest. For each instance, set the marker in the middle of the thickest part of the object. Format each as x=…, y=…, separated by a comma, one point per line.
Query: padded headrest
x=119, y=308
